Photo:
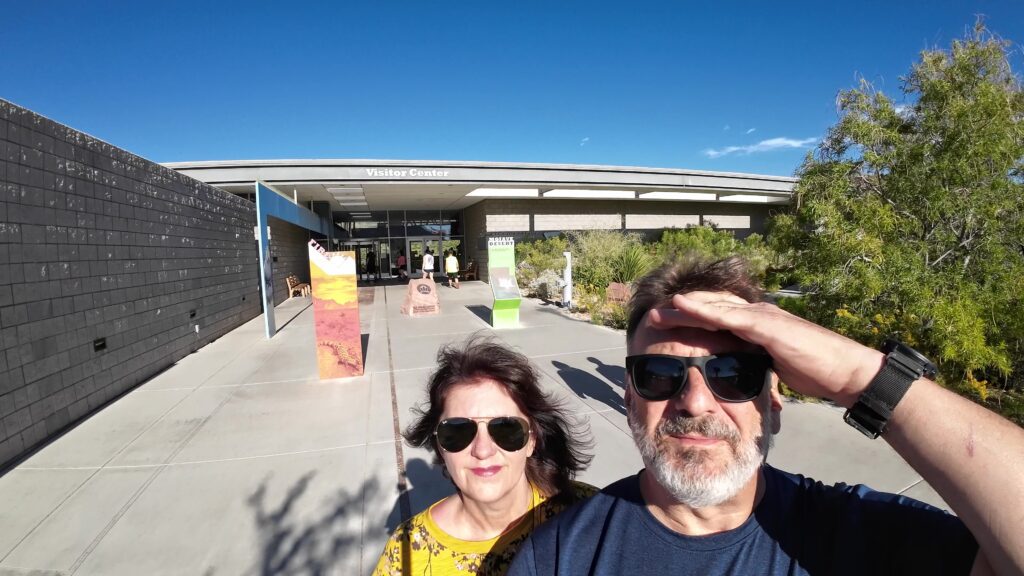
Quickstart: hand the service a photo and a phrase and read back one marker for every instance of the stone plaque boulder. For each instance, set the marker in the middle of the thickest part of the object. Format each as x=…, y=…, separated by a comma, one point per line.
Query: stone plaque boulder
x=421, y=298
x=618, y=292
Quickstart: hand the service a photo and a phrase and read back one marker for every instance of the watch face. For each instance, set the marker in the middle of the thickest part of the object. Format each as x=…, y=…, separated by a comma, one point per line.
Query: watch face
x=927, y=368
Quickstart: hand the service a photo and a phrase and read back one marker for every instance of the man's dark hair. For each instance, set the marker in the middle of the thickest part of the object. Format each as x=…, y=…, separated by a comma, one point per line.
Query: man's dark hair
x=656, y=289
x=558, y=452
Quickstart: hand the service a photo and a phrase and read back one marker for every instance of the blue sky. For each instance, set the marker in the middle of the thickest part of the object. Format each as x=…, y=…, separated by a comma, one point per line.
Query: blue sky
x=728, y=86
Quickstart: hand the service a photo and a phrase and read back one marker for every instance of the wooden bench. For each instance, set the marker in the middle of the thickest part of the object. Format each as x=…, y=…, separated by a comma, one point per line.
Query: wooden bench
x=470, y=272
x=295, y=287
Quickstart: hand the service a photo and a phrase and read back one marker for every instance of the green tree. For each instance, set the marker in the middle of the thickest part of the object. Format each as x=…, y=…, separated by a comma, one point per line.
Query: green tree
x=709, y=242
x=909, y=219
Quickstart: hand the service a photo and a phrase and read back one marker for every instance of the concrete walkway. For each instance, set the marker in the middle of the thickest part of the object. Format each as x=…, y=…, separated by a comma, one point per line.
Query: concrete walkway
x=238, y=460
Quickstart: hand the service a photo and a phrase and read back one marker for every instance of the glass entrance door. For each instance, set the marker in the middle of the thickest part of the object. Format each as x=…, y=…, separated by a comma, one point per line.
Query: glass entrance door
x=416, y=248
x=372, y=258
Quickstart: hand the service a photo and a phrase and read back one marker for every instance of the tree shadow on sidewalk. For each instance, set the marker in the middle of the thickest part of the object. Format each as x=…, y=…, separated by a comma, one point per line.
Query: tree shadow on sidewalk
x=295, y=543
x=331, y=539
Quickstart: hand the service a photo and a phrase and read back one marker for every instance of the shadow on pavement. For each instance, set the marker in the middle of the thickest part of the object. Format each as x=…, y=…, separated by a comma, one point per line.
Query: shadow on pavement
x=427, y=484
x=291, y=313
x=612, y=373
x=290, y=544
x=481, y=312
x=586, y=385
x=294, y=540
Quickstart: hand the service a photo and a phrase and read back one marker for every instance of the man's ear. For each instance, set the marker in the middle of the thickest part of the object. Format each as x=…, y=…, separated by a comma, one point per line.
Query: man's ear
x=775, y=405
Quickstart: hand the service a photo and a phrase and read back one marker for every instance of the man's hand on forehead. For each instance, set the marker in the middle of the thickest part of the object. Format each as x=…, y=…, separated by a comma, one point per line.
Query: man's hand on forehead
x=682, y=314
x=810, y=359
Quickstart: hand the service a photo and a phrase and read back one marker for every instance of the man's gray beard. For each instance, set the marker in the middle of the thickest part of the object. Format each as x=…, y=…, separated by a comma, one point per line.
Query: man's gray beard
x=685, y=472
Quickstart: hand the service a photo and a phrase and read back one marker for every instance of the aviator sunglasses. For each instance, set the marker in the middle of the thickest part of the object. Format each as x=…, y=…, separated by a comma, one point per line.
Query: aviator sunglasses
x=733, y=377
x=510, y=433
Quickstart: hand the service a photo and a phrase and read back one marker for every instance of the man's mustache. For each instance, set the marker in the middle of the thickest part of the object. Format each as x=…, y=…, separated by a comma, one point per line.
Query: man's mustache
x=706, y=426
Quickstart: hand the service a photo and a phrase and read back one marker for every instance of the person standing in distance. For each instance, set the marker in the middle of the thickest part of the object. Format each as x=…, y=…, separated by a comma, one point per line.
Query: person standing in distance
x=401, y=263
x=428, y=265
x=451, y=269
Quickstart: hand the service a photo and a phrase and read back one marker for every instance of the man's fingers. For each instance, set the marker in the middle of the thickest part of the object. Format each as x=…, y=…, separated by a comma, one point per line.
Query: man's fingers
x=668, y=318
x=755, y=323
x=699, y=311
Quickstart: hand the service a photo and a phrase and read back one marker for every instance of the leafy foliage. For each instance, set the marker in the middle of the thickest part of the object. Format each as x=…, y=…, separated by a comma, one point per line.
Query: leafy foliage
x=596, y=253
x=634, y=261
x=910, y=220
x=709, y=242
x=538, y=256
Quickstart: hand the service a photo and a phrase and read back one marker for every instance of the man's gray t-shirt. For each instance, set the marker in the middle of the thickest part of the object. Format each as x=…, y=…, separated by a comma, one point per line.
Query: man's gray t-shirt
x=800, y=527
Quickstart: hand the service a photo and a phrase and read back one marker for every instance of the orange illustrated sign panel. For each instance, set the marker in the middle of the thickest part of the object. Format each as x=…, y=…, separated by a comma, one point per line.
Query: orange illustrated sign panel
x=339, y=352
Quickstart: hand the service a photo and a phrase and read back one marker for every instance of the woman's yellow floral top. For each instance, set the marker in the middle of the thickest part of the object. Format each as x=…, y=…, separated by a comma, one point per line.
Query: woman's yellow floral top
x=418, y=547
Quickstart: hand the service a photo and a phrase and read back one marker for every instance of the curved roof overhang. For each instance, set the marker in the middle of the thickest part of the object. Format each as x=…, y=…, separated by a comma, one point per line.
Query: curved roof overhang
x=448, y=185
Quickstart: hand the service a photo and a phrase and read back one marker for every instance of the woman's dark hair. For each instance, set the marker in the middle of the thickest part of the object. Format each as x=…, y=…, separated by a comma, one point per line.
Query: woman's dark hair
x=558, y=452
x=656, y=289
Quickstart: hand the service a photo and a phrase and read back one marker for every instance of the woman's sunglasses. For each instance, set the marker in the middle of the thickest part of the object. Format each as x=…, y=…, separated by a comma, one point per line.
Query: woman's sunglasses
x=734, y=377
x=510, y=433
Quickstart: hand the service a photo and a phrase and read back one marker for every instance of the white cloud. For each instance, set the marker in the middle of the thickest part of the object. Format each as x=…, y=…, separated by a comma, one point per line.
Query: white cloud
x=902, y=109
x=584, y=141
x=726, y=128
x=751, y=131
x=769, y=145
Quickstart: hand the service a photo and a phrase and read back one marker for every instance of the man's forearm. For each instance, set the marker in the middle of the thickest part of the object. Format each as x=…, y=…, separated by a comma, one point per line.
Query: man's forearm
x=974, y=459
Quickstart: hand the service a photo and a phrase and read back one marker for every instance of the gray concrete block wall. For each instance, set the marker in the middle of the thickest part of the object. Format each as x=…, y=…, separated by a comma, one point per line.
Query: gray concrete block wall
x=288, y=248
x=98, y=243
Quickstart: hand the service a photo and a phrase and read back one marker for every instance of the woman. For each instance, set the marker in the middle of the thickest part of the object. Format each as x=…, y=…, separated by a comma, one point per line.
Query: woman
x=508, y=448
x=401, y=264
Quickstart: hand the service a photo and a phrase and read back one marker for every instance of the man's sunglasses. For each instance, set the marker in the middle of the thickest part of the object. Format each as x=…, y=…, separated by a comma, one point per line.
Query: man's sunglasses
x=734, y=377
x=510, y=433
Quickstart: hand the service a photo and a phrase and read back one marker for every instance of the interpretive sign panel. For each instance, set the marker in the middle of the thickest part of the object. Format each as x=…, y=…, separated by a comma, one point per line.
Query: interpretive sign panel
x=421, y=298
x=339, y=351
x=501, y=267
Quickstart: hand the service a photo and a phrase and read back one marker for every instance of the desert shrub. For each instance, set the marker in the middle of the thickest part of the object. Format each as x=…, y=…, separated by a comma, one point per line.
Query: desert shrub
x=547, y=285
x=536, y=256
x=611, y=314
x=586, y=299
x=709, y=242
x=595, y=255
x=633, y=262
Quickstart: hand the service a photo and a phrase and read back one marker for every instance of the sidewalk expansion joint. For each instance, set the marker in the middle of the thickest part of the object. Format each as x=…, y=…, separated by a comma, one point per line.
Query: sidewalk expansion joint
x=403, y=486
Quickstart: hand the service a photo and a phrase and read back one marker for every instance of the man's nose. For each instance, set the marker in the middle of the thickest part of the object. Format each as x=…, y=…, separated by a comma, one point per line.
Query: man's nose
x=696, y=398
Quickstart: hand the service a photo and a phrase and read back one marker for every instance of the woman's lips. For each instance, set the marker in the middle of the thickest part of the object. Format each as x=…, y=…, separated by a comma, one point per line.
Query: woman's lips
x=487, y=471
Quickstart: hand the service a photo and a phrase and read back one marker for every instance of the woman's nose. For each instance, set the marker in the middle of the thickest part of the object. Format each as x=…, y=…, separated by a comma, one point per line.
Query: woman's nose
x=483, y=446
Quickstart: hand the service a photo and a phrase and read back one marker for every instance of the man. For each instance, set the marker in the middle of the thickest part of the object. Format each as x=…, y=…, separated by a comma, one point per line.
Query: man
x=699, y=341
x=451, y=269
x=371, y=266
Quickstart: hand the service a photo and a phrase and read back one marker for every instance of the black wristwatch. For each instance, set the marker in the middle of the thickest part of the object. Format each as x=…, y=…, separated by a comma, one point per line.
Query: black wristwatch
x=903, y=365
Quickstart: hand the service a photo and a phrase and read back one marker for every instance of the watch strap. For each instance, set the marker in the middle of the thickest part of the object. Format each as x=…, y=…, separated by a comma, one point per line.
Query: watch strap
x=873, y=409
